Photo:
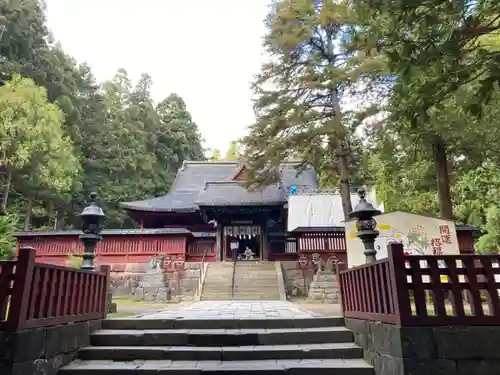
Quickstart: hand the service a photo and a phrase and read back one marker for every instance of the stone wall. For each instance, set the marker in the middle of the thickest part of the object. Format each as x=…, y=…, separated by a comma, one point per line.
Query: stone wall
x=182, y=284
x=324, y=288
x=453, y=350
x=43, y=351
x=293, y=278
x=318, y=288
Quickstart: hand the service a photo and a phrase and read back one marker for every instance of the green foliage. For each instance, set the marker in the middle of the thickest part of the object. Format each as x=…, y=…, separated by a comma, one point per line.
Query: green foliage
x=434, y=47
x=40, y=152
x=233, y=152
x=489, y=243
x=74, y=261
x=215, y=155
x=8, y=225
x=476, y=192
x=109, y=138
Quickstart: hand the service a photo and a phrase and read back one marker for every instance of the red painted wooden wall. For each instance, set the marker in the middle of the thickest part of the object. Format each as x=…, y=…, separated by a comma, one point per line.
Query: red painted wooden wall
x=111, y=250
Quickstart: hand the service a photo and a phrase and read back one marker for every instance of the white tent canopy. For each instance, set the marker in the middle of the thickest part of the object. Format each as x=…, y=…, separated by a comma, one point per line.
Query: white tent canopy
x=322, y=210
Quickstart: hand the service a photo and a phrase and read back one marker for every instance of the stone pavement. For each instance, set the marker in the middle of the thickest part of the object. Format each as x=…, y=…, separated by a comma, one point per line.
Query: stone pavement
x=235, y=310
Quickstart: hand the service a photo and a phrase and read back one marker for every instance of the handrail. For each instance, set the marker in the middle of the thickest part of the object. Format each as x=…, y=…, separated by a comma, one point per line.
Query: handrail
x=234, y=272
x=44, y=295
x=202, y=271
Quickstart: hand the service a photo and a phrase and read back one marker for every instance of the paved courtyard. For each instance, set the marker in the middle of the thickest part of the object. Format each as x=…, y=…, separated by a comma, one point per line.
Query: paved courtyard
x=235, y=310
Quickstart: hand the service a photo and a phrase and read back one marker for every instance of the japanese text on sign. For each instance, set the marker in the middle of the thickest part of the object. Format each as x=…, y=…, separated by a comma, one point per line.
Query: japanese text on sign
x=444, y=231
x=437, y=246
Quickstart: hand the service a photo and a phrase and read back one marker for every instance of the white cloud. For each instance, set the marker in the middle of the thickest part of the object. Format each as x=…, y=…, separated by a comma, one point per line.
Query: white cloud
x=205, y=51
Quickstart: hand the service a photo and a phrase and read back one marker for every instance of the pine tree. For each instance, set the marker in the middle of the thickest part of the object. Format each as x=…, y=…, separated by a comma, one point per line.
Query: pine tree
x=312, y=69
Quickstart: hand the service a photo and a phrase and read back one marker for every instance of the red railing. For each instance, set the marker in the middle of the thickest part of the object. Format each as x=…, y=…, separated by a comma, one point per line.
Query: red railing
x=39, y=295
x=412, y=290
x=316, y=242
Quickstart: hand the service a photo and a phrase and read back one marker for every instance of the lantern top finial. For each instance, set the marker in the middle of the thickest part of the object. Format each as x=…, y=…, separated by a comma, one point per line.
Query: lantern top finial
x=362, y=193
x=363, y=209
x=93, y=197
x=92, y=209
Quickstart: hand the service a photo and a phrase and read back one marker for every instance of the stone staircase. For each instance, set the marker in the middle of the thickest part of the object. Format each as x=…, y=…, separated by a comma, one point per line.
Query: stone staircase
x=253, y=280
x=229, y=346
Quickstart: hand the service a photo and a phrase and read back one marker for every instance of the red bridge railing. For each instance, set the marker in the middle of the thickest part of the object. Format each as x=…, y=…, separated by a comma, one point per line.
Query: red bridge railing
x=412, y=290
x=39, y=295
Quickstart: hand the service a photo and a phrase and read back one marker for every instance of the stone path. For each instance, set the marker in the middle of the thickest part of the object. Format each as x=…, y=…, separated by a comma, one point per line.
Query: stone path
x=235, y=310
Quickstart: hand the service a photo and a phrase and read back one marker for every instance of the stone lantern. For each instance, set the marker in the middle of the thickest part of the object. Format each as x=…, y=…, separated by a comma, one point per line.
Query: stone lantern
x=366, y=225
x=92, y=219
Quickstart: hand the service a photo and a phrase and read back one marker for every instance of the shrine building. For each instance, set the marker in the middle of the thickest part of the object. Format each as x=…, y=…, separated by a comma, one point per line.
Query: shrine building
x=209, y=214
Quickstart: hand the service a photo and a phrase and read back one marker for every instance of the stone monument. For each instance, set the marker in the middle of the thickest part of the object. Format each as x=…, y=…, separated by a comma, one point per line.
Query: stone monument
x=154, y=285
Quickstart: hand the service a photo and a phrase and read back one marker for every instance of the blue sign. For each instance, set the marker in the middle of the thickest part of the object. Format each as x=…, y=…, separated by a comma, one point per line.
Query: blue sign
x=293, y=190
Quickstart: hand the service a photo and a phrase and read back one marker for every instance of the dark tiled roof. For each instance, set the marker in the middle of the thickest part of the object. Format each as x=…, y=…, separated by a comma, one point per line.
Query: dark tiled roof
x=105, y=232
x=235, y=194
x=319, y=230
x=189, y=186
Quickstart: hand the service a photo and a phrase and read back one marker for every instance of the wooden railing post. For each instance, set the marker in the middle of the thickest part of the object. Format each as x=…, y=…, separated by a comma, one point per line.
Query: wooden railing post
x=397, y=277
x=339, y=267
x=21, y=291
x=105, y=292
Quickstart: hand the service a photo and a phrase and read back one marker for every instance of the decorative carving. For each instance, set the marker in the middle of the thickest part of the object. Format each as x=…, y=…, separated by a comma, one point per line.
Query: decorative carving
x=303, y=261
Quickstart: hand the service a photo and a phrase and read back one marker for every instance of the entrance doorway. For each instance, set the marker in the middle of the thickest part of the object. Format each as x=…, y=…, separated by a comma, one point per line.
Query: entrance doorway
x=243, y=241
x=245, y=248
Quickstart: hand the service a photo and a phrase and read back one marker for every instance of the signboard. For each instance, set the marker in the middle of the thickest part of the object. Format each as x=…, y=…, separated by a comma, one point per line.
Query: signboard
x=420, y=235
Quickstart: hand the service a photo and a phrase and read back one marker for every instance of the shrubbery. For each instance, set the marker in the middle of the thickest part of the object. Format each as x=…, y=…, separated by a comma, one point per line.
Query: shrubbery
x=8, y=225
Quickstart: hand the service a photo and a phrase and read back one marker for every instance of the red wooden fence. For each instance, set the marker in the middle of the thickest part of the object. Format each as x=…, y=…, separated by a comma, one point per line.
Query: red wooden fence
x=412, y=290
x=39, y=295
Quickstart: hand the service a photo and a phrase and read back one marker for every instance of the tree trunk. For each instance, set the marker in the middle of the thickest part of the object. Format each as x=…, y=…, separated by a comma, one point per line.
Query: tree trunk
x=5, y=182
x=29, y=210
x=339, y=132
x=60, y=220
x=341, y=154
x=443, y=178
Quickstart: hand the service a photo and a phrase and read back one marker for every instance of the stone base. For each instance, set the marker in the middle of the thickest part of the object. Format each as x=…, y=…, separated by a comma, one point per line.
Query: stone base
x=43, y=351
x=324, y=288
x=132, y=281
x=457, y=350
x=112, y=308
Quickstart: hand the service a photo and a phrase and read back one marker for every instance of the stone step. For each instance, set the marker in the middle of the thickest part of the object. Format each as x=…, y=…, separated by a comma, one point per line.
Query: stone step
x=211, y=353
x=243, y=290
x=242, y=296
x=221, y=337
x=309, y=324
x=228, y=296
x=268, y=367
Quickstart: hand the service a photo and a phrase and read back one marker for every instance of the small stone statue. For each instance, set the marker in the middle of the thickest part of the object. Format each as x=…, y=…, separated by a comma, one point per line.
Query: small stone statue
x=152, y=263
x=248, y=254
x=160, y=263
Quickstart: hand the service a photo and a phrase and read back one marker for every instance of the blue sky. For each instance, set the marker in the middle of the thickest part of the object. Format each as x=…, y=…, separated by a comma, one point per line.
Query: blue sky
x=207, y=51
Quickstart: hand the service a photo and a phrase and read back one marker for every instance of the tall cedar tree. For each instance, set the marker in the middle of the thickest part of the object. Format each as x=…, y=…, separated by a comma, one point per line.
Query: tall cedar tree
x=299, y=92
x=434, y=48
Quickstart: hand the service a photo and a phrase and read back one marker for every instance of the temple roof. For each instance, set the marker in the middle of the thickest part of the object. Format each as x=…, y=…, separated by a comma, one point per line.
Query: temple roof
x=203, y=183
x=233, y=193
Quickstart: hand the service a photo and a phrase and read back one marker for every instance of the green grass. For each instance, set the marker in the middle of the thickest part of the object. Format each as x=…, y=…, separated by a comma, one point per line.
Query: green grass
x=128, y=302
x=121, y=314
